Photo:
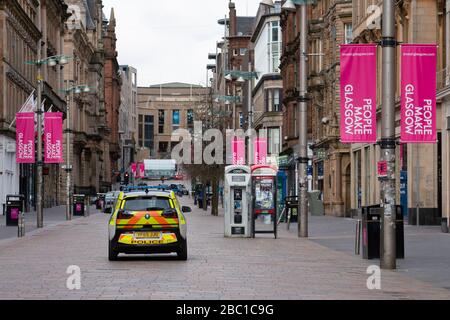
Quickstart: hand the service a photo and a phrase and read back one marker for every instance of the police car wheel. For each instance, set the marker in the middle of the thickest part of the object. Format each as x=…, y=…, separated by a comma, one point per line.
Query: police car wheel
x=182, y=251
x=112, y=255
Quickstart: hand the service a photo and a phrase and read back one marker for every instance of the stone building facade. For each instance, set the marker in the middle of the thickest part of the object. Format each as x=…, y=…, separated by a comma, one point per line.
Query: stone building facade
x=21, y=36
x=422, y=167
x=267, y=90
x=289, y=72
x=162, y=109
x=84, y=44
x=112, y=87
x=128, y=117
x=18, y=29
x=330, y=26
x=239, y=56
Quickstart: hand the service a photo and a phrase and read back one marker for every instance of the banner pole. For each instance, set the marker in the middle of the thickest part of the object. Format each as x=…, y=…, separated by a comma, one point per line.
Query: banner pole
x=303, y=124
x=388, y=143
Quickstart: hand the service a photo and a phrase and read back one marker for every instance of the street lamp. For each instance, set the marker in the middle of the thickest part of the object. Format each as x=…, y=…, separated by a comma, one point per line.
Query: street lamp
x=51, y=62
x=289, y=6
x=69, y=91
x=303, y=99
x=267, y=3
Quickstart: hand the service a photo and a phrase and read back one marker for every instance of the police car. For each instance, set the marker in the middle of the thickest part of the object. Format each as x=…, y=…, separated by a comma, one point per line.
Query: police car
x=148, y=221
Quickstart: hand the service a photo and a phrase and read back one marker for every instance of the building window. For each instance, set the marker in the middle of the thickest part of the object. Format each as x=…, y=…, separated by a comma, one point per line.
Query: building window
x=141, y=130
x=176, y=118
x=273, y=100
x=190, y=117
x=348, y=29
x=148, y=132
x=274, y=140
x=274, y=46
x=163, y=147
x=243, y=51
x=161, y=120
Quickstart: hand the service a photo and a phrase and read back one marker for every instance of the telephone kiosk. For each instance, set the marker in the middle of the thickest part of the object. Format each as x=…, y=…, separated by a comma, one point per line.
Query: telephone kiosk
x=264, y=194
x=237, y=195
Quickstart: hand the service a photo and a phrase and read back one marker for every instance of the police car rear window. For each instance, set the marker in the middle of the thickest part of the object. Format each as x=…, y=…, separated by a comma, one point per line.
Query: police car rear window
x=146, y=204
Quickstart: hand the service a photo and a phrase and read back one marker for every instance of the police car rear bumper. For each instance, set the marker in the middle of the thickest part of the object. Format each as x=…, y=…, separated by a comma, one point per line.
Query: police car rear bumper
x=145, y=248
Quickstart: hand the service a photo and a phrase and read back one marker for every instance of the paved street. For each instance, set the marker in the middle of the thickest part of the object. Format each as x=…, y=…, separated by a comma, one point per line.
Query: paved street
x=426, y=247
x=35, y=267
x=52, y=216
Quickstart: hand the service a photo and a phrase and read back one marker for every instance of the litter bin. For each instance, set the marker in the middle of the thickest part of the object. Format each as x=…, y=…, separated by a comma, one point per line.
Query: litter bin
x=371, y=232
x=315, y=204
x=14, y=208
x=371, y=229
x=291, y=205
x=444, y=225
x=79, y=204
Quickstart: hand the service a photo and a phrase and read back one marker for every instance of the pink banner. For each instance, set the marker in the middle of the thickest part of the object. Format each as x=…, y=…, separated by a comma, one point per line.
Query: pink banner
x=418, y=102
x=53, y=137
x=238, y=151
x=260, y=151
x=141, y=170
x=358, y=93
x=25, y=138
x=134, y=169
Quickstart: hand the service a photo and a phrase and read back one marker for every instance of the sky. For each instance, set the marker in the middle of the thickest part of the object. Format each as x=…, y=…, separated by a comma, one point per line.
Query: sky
x=169, y=40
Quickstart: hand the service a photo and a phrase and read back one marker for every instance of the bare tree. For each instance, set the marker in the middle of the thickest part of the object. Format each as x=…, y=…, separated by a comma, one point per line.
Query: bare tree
x=211, y=117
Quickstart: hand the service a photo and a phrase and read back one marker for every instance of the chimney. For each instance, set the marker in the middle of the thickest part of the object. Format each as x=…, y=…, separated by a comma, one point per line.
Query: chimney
x=233, y=20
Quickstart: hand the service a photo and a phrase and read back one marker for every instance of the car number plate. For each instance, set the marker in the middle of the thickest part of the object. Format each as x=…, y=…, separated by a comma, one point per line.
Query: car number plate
x=147, y=235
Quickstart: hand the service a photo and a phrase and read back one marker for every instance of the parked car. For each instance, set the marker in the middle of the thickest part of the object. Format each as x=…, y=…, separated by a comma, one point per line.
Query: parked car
x=177, y=189
x=110, y=201
x=179, y=177
x=184, y=191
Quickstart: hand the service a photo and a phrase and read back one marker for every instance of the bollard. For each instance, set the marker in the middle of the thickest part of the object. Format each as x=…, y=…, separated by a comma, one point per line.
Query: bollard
x=86, y=206
x=21, y=226
x=358, y=237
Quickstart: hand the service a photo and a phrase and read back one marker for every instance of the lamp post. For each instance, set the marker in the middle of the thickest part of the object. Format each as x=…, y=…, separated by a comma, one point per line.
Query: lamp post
x=242, y=77
x=388, y=144
x=50, y=61
x=69, y=91
x=290, y=5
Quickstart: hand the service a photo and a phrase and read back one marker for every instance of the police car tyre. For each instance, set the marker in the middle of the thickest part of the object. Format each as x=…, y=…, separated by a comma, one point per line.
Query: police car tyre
x=182, y=251
x=112, y=255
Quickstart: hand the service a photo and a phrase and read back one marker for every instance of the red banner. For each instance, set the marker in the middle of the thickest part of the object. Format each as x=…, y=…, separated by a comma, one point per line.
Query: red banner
x=53, y=137
x=418, y=102
x=260, y=151
x=238, y=151
x=25, y=152
x=358, y=93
